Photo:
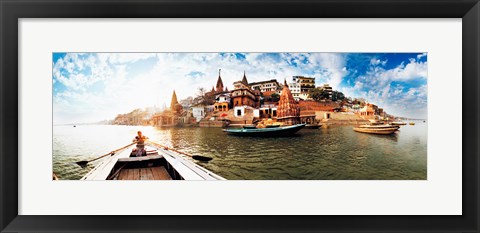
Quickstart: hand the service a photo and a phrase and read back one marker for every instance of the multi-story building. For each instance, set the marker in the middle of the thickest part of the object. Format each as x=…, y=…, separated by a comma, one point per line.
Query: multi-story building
x=266, y=86
x=295, y=90
x=327, y=88
x=306, y=84
x=222, y=102
x=242, y=95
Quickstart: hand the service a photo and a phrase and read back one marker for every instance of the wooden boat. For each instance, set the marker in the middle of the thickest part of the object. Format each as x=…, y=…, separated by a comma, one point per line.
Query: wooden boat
x=266, y=132
x=398, y=123
x=376, y=129
x=312, y=126
x=159, y=164
x=411, y=123
x=386, y=126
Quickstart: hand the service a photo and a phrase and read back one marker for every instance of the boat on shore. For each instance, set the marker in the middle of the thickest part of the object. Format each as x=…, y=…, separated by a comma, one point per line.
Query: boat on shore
x=266, y=132
x=160, y=163
x=377, y=129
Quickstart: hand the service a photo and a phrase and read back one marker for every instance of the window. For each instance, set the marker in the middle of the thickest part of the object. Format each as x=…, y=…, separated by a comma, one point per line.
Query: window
x=239, y=112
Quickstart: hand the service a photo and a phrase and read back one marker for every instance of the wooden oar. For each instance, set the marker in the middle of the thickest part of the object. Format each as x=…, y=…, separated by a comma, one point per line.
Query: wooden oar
x=196, y=157
x=85, y=162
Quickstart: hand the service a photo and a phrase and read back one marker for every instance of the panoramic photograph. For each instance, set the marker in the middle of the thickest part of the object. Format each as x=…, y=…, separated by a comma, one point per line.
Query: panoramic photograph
x=239, y=116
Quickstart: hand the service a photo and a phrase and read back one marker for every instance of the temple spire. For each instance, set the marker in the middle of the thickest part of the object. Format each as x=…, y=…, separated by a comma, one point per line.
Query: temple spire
x=174, y=101
x=219, y=87
x=244, y=79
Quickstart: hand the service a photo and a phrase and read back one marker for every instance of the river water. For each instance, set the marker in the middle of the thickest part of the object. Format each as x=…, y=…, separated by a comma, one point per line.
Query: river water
x=333, y=153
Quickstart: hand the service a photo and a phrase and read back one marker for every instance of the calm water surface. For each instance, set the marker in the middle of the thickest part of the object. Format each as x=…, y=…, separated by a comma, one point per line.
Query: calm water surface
x=334, y=153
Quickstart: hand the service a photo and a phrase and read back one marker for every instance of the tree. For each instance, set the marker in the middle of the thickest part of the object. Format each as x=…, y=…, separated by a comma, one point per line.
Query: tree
x=317, y=94
x=336, y=95
x=204, y=97
x=274, y=97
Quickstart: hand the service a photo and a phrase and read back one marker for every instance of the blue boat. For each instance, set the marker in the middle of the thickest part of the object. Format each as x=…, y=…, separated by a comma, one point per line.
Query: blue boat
x=266, y=132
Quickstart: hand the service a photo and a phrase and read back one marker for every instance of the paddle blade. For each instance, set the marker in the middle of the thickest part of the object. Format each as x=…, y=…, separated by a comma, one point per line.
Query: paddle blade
x=82, y=163
x=201, y=158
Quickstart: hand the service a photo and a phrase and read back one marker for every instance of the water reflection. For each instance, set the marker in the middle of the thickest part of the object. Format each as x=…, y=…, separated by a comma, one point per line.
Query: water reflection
x=326, y=153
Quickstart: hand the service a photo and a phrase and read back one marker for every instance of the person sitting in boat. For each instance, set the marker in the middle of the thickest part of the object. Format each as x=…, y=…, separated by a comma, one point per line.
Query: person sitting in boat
x=140, y=140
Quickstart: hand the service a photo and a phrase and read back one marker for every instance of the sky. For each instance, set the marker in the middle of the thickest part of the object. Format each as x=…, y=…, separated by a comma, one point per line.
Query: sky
x=90, y=87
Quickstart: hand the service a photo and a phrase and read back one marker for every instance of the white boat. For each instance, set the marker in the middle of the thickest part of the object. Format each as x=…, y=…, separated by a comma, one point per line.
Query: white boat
x=159, y=164
x=385, y=126
x=376, y=129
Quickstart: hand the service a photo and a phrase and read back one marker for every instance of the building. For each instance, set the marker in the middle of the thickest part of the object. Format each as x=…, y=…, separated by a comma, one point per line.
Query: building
x=266, y=86
x=219, y=86
x=222, y=102
x=288, y=110
x=306, y=84
x=175, y=107
x=172, y=116
x=328, y=89
x=198, y=112
x=209, y=98
x=369, y=110
x=242, y=95
x=295, y=90
x=266, y=111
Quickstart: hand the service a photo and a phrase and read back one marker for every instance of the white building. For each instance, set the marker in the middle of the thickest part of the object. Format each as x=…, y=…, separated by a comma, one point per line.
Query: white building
x=198, y=112
x=223, y=98
x=266, y=86
x=239, y=111
x=295, y=89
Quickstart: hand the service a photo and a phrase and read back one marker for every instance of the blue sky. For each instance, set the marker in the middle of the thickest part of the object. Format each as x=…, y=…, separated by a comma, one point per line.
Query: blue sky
x=89, y=87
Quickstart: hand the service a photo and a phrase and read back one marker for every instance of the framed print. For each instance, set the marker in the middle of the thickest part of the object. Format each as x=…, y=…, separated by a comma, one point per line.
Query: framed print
x=332, y=112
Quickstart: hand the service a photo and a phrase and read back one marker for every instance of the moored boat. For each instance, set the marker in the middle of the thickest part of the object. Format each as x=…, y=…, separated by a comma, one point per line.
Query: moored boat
x=386, y=126
x=398, y=123
x=377, y=129
x=159, y=164
x=266, y=132
x=411, y=123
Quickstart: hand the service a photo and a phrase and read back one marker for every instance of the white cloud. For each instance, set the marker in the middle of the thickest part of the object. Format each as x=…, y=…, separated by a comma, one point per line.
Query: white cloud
x=107, y=84
x=333, y=65
x=402, y=99
x=421, y=55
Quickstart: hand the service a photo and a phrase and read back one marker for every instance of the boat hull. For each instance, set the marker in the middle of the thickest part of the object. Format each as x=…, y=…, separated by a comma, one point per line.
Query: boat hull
x=383, y=131
x=379, y=126
x=266, y=132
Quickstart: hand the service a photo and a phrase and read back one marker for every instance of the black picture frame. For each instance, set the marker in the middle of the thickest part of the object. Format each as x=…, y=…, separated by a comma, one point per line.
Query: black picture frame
x=11, y=11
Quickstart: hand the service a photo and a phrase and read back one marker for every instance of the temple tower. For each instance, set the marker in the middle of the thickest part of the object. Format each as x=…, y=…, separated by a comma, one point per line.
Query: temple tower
x=219, y=87
x=244, y=79
x=288, y=110
x=174, y=105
